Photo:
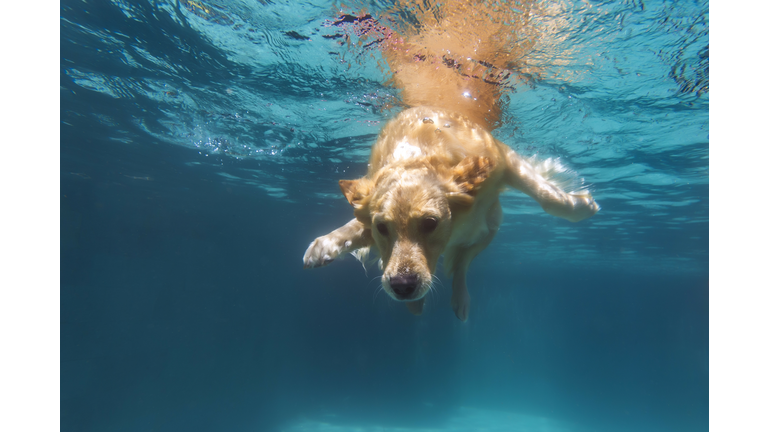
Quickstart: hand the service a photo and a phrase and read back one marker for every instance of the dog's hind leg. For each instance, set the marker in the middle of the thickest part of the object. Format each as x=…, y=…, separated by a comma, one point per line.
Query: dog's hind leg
x=521, y=175
x=352, y=236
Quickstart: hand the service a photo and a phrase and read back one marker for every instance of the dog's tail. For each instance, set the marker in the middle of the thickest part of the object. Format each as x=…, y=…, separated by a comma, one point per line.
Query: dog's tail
x=453, y=54
x=461, y=55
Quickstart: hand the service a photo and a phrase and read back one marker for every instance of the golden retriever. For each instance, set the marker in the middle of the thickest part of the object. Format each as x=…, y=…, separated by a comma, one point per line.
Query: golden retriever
x=436, y=172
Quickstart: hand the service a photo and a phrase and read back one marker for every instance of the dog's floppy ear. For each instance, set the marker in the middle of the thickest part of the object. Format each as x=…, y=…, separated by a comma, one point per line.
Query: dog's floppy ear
x=467, y=177
x=356, y=191
x=471, y=172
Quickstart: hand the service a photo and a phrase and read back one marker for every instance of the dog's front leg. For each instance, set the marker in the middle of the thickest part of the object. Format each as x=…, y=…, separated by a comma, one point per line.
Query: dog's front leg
x=460, y=295
x=416, y=307
x=555, y=201
x=348, y=238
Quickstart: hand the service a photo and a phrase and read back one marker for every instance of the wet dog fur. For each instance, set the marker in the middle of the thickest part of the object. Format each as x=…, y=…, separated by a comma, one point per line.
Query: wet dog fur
x=433, y=183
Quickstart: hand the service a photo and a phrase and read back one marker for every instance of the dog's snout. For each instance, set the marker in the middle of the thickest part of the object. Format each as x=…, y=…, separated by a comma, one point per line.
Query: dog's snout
x=404, y=285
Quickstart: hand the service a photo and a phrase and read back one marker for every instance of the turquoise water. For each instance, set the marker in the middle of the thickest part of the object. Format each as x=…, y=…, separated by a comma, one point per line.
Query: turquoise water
x=201, y=146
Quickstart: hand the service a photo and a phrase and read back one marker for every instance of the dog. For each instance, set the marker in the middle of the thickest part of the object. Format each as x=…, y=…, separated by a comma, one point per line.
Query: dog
x=435, y=172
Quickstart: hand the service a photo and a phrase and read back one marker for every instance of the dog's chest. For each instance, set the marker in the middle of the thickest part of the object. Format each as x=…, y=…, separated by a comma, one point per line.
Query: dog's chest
x=470, y=229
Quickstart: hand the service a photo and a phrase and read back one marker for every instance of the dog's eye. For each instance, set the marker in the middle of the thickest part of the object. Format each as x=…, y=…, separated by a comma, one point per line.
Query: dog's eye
x=382, y=229
x=428, y=224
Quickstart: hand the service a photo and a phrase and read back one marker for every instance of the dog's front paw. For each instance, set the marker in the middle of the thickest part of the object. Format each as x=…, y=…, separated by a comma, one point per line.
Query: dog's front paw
x=324, y=250
x=460, y=304
x=584, y=206
x=416, y=307
x=590, y=204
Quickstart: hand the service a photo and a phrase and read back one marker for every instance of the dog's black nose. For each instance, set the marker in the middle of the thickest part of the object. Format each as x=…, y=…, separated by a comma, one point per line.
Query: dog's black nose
x=404, y=285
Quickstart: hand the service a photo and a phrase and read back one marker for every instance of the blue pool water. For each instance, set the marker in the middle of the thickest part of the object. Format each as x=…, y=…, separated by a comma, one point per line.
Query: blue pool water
x=201, y=146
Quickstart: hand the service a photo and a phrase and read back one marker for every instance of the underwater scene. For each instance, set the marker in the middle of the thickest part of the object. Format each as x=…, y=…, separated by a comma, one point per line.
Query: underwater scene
x=201, y=148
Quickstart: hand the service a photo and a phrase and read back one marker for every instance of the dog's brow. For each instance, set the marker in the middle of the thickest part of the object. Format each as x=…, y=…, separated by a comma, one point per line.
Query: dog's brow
x=425, y=212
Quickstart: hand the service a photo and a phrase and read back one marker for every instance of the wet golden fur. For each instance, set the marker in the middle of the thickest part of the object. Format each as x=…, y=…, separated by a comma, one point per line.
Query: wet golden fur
x=436, y=172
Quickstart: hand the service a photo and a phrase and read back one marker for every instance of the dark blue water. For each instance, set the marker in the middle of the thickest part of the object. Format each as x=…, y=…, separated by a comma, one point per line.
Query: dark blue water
x=201, y=145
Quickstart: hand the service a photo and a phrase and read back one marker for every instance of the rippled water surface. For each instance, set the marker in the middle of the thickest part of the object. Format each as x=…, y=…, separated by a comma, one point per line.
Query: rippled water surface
x=201, y=146
x=269, y=97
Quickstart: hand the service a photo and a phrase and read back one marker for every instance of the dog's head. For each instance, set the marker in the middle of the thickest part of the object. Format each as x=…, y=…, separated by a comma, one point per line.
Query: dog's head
x=409, y=208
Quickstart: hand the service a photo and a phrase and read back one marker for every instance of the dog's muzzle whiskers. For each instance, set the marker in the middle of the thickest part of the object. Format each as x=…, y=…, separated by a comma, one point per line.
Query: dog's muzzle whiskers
x=433, y=283
x=379, y=288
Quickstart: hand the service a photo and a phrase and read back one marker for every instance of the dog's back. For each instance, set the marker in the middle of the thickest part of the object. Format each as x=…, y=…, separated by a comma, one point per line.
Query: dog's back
x=432, y=132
